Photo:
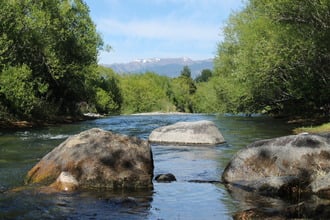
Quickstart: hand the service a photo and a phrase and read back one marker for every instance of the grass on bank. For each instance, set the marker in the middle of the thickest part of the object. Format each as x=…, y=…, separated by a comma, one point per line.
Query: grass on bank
x=314, y=129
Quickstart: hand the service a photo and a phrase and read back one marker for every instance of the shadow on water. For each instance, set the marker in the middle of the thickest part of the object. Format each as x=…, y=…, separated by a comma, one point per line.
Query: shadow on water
x=30, y=204
x=20, y=150
x=252, y=205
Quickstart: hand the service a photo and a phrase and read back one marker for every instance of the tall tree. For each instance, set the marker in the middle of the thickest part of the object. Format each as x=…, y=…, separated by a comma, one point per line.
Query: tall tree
x=275, y=56
x=204, y=76
x=104, y=91
x=186, y=72
x=57, y=42
x=183, y=89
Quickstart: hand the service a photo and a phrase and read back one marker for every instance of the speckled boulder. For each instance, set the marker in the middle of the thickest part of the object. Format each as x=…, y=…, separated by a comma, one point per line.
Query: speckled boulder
x=191, y=133
x=290, y=164
x=96, y=159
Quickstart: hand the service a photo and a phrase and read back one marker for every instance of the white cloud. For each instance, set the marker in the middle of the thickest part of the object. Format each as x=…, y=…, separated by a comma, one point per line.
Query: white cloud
x=159, y=29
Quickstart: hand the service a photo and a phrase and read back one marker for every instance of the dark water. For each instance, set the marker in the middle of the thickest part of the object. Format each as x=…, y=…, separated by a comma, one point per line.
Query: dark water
x=20, y=150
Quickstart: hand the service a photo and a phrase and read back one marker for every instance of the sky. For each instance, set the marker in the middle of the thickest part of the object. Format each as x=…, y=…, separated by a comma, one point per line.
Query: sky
x=140, y=29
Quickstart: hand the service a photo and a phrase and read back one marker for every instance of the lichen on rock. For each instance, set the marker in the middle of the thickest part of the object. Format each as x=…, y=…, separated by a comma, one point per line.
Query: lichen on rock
x=96, y=159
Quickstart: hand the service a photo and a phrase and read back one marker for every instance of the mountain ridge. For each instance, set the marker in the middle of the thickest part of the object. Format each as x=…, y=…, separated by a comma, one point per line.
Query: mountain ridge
x=170, y=67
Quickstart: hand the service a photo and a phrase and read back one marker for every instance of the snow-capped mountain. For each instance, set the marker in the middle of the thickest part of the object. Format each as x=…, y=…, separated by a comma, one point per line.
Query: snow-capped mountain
x=170, y=67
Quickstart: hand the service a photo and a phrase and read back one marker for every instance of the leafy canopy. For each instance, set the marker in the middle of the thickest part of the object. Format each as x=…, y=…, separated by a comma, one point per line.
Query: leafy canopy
x=275, y=57
x=50, y=48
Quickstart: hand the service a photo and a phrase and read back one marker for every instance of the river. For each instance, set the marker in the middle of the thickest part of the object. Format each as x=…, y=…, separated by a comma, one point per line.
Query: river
x=21, y=149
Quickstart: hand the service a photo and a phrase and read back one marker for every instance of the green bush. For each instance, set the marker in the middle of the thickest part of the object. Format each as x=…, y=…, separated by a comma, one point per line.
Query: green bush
x=274, y=58
x=146, y=92
x=48, y=49
x=20, y=91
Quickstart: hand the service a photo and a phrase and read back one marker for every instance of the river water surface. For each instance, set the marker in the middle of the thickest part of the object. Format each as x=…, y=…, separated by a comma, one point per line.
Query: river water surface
x=20, y=150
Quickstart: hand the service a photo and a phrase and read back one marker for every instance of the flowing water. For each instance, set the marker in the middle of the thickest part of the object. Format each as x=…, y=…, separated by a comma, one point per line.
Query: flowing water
x=20, y=150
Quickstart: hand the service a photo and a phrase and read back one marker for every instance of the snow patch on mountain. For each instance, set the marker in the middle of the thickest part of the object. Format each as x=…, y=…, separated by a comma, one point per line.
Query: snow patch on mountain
x=170, y=67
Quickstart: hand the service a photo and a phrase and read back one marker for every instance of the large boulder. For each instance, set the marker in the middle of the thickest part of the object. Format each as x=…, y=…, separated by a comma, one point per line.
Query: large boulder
x=290, y=164
x=199, y=132
x=96, y=159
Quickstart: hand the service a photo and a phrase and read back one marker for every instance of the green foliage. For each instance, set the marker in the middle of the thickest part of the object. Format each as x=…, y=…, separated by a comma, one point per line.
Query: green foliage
x=186, y=72
x=20, y=92
x=183, y=90
x=205, y=76
x=146, y=92
x=275, y=57
x=104, y=102
x=105, y=86
x=205, y=99
x=57, y=42
x=323, y=128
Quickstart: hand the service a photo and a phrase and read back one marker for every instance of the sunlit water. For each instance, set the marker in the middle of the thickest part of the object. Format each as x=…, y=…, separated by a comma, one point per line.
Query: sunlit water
x=20, y=150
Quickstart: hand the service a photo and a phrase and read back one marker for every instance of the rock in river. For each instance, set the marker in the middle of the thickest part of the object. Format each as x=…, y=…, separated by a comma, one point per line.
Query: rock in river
x=199, y=132
x=165, y=178
x=289, y=164
x=96, y=159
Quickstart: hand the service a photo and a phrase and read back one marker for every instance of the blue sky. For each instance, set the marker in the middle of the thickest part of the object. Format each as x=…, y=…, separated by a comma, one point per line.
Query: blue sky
x=139, y=29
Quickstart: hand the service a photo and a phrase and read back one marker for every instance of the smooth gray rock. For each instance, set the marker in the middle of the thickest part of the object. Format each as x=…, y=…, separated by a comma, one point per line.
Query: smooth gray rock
x=199, y=133
x=96, y=159
x=290, y=164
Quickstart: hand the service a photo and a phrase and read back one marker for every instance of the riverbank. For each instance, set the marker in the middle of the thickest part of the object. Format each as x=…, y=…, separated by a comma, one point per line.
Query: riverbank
x=324, y=128
x=22, y=124
x=312, y=125
x=163, y=113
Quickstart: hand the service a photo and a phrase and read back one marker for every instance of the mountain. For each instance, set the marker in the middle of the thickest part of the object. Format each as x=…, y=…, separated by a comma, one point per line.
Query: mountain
x=170, y=67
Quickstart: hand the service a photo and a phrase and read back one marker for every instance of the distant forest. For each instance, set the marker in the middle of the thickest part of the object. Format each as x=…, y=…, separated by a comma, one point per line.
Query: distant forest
x=273, y=60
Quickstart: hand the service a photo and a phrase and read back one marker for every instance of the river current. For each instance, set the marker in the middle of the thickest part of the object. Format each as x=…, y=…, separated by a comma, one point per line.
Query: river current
x=21, y=149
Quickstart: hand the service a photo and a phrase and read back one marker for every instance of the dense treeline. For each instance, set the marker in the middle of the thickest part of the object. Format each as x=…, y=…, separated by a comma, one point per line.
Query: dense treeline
x=150, y=92
x=48, y=68
x=48, y=60
x=274, y=59
x=146, y=92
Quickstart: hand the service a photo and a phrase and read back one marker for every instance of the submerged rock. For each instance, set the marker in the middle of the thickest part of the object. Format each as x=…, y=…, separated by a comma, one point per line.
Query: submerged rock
x=165, y=178
x=96, y=159
x=199, y=132
x=290, y=164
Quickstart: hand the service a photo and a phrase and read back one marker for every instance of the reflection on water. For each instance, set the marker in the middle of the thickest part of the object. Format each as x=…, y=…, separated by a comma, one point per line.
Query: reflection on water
x=182, y=200
x=188, y=162
x=29, y=204
x=20, y=150
x=252, y=205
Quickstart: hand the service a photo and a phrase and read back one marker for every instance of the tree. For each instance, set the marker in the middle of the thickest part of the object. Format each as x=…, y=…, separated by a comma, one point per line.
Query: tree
x=183, y=89
x=146, y=92
x=186, y=72
x=20, y=91
x=205, y=75
x=105, y=93
x=57, y=42
x=273, y=56
x=205, y=98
